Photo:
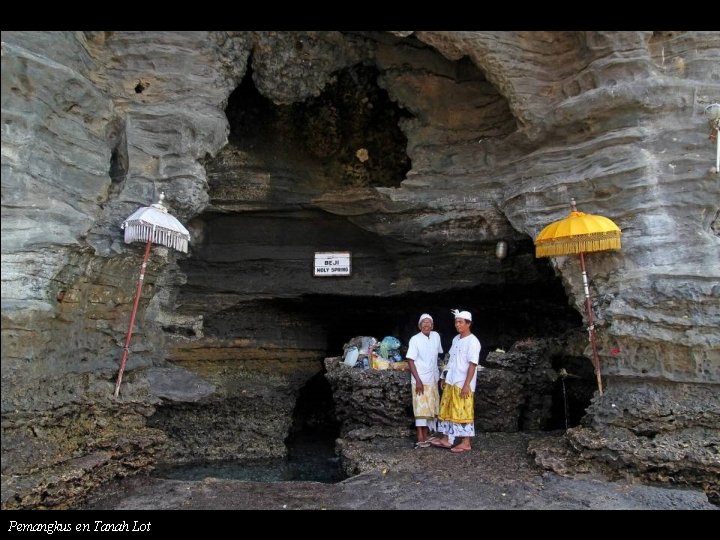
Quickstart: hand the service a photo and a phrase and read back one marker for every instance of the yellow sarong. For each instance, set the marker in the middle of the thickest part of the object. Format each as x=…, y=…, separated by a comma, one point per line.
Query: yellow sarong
x=426, y=405
x=454, y=408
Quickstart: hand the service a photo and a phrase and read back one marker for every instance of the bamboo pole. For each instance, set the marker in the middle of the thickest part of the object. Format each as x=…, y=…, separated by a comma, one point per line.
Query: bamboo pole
x=128, y=337
x=591, y=324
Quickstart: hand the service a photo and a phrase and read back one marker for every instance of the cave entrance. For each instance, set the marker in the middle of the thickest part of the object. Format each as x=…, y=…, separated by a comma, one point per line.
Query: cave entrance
x=311, y=442
x=535, y=315
x=502, y=314
x=553, y=386
x=313, y=175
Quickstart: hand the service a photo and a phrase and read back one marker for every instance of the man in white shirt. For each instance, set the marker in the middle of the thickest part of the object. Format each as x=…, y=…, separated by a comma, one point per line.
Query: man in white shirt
x=457, y=408
x=422, y=357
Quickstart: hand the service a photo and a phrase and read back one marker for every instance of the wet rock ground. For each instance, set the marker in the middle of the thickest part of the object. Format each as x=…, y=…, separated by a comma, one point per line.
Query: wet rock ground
x=390, y=474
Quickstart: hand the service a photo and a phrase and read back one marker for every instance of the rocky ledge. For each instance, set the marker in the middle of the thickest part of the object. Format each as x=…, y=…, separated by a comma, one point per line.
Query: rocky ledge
x=496, y=474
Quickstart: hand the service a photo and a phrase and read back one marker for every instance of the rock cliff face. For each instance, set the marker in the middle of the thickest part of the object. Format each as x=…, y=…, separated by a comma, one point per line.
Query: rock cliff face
x=417, y=152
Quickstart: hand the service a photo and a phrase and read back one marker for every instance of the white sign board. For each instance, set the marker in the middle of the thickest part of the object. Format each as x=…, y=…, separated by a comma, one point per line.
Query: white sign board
x=332, y=263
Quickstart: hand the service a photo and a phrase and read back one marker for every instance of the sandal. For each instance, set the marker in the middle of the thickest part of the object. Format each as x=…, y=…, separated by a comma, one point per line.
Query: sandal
x=440, y=444
x=421, y=444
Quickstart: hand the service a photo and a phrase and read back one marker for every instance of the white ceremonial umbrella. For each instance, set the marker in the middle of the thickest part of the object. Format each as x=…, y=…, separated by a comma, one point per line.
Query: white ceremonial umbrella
x=149, y=224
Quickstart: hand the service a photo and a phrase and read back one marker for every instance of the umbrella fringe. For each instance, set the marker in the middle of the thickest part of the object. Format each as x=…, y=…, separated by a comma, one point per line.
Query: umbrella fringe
x=586, y=244
x=138, y=230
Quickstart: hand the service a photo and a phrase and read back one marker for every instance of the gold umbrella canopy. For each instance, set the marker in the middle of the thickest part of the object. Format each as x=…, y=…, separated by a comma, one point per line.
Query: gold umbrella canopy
x=577, y=234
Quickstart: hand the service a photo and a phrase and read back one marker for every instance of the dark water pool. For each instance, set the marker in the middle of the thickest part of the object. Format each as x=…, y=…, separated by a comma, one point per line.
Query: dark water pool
x=310, y=458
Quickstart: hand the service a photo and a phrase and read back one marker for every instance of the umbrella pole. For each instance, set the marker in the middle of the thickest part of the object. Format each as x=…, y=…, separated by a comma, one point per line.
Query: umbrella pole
x=591, y=324
x=128, y=337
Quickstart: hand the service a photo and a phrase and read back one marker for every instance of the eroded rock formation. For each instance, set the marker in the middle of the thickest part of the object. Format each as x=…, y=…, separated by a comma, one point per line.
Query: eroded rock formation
x=500, y=129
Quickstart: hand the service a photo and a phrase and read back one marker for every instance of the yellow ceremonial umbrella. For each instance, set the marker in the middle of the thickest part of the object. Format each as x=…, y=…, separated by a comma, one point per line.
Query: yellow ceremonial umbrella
x=580, y=233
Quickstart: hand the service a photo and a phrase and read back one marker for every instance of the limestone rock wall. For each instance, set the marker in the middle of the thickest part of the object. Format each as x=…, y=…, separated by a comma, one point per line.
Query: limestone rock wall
x=504, y=128
x=215, y=410
x=89, y=134
x=663, y=432
x=614, y=114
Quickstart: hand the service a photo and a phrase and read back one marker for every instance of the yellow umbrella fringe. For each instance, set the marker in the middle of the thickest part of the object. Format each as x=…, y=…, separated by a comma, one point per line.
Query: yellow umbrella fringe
x=570, y=246
x=579, y=237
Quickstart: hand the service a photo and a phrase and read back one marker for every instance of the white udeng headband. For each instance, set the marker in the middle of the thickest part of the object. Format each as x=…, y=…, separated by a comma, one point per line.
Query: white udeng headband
x=425, y=316
x=461, y=314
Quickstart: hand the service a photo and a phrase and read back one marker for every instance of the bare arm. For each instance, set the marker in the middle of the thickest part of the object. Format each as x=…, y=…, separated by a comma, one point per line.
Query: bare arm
x=466, y=391
x=419, y=388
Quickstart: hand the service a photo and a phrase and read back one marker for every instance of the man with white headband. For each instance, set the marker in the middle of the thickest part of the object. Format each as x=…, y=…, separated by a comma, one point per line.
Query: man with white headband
x=422, y=357
x=457, y=407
